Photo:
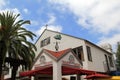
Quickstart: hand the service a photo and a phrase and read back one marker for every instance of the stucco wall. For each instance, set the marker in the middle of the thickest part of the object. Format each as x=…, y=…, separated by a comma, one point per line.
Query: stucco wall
x=98, y=57
x=98, y=62
x=65, y=42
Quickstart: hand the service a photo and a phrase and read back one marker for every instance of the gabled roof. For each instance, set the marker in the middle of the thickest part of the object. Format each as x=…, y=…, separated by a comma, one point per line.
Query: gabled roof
x=57, y=55
x=58, y=33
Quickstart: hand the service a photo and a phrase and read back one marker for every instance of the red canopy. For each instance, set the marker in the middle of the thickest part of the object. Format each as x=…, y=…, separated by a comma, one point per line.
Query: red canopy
x=70, y=70
x=65, y=71
x=46, y=70
x=97, y=75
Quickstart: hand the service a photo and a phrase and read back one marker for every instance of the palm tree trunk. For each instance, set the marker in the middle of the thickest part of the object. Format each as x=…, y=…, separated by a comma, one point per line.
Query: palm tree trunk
x=1, y=60
x=14, y=71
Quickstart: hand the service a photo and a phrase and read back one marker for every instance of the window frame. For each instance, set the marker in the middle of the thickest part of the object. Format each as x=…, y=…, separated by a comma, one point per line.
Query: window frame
x=110, y=61
x=89, y=54
x=45, y=42
x=79, y=52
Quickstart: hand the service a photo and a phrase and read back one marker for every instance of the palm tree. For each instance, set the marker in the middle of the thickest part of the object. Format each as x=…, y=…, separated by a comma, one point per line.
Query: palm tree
x=118, y=56
x=14, y=43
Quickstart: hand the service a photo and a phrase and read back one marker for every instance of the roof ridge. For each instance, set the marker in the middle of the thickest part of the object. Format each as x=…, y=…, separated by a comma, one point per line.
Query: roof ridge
x=65, y=34
x=57, y=54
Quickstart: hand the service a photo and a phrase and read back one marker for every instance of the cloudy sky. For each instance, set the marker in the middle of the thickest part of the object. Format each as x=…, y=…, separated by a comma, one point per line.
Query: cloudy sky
x=95, y=20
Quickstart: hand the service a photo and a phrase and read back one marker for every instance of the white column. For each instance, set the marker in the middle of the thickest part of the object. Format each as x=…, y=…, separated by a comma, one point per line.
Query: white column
x=32, y=77
x=57, y=73
x=85, y=63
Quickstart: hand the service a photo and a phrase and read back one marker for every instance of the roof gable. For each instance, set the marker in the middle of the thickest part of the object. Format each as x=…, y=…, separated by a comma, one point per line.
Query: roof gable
x=58, y=54
x=75, y=38
x=57, y=33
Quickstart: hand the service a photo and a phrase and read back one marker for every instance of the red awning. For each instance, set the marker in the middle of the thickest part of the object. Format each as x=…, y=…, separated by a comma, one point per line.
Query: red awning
x=45, y=70
x=70, y=70
x=28, y=73
x=49, y=71
x=97, y=75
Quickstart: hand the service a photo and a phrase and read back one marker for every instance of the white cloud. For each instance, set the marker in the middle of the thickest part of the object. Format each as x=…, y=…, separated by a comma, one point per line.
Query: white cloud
x=3, y=3
x=111, y=40
x=15, y=10
x=100, y=15
x=25, y=11
x=35, y=23
x=51, y=25
x=51, y=20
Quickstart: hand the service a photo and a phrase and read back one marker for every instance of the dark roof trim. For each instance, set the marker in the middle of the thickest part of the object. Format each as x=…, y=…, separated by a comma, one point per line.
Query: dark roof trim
x=58, y=33
x=40, y=36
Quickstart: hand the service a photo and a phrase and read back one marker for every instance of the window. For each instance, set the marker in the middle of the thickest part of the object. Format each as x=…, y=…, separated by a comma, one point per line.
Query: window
x=79, y=52
x=72, y=78
x=45, y=42
x=110, y=61
x=107, y=65
x=89, y=53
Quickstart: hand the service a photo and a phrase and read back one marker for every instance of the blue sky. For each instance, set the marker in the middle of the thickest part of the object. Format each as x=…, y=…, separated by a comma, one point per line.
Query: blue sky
x=95, y=20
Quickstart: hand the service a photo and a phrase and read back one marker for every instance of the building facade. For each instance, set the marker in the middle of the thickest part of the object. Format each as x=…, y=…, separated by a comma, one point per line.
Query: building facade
x=56, y=50
x=52, y=65
x=92, y=56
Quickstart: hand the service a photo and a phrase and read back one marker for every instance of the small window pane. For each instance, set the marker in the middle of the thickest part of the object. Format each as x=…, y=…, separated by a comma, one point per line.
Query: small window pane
x=45, y=42
x=89, y=53
x=110, y=61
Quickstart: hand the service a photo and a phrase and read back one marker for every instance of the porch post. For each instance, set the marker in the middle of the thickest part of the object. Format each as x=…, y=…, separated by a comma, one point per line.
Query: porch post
x=57, y=73
x=32, y=77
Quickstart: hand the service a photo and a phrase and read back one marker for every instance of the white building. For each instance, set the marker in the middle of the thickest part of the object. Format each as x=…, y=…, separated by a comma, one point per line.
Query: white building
x=92, y=56
x=53, y=55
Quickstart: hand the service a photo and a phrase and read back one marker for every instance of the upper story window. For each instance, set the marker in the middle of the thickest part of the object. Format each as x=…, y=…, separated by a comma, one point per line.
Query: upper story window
x=110, y=61
x=45, y=42
x=79, y=52
x=89, y=53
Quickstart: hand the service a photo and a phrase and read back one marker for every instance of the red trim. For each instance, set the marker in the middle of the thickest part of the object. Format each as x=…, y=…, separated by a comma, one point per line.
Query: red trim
x=45, y=70
x=70, y=70
x=57, y=54
x=65, y=71
x=97, y=75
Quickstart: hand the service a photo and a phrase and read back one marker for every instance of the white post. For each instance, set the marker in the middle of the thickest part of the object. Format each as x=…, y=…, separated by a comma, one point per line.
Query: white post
x=85, y=63
x=57, y=73
x=32, y=77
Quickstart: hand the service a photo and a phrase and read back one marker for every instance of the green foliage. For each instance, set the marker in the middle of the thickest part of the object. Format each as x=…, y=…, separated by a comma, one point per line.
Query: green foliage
x=118, y=56
x=14, y=39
